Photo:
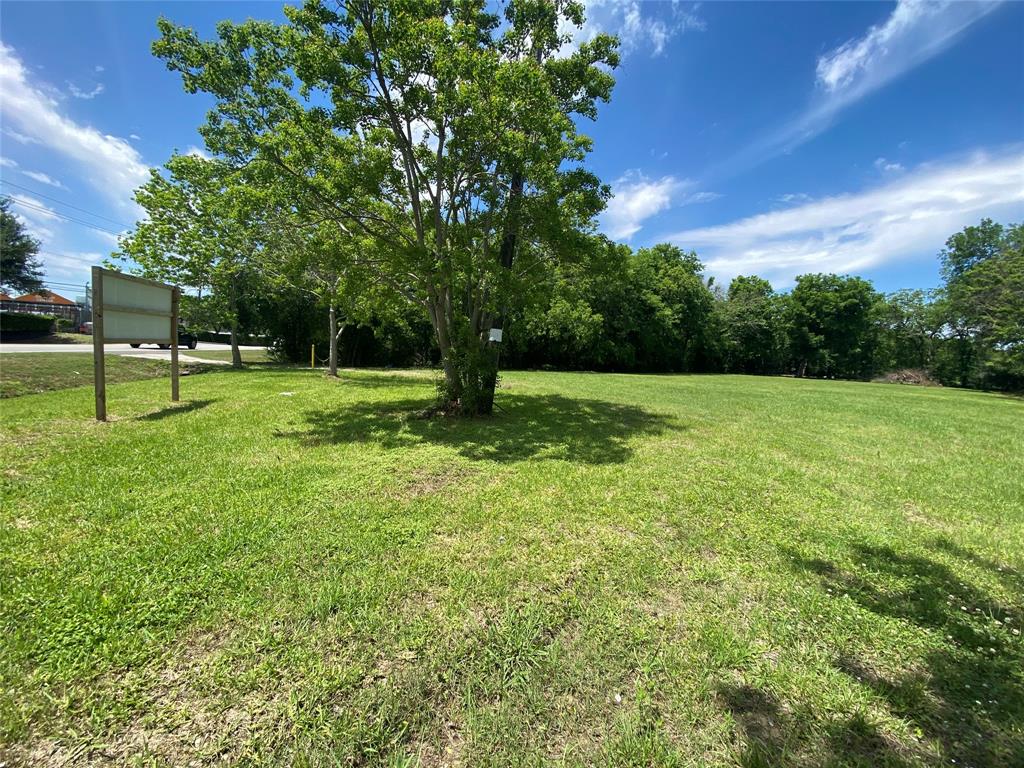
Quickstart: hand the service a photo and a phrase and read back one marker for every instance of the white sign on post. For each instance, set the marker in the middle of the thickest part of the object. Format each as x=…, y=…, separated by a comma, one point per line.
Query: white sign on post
x=131, y=310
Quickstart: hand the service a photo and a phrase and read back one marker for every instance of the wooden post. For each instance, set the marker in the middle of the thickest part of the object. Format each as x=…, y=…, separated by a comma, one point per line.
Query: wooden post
x=312, y=356
x=99, y=371
x=175, y=293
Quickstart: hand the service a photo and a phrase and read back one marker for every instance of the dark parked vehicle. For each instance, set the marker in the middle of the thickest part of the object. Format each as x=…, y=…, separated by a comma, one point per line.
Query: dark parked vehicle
x=185, y=339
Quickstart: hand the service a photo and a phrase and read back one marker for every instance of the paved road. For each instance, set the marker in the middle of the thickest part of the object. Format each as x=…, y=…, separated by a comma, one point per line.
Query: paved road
x=146, y=350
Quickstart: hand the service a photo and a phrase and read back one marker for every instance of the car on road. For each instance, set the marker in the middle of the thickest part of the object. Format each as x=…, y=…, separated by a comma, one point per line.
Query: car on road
x=185, y=339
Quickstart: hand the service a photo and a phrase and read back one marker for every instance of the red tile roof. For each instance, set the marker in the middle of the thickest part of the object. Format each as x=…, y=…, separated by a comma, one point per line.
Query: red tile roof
x=45, y=297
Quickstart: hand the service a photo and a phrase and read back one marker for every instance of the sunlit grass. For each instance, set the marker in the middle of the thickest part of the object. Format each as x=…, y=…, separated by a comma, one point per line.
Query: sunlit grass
x=645, y=570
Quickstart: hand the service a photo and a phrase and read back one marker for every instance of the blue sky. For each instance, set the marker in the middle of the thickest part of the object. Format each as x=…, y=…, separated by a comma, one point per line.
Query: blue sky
x=773, y=138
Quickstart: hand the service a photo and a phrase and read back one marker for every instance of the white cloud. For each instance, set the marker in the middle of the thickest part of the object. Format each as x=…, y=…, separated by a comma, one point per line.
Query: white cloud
x=71, y=266
x=21, y=138
x=78, y=93
x=886, y=166
x=794, y=197
x=6, y=162
x=700, y=197
x=35, y=215
x=639, y=26
x=42, y=178
x=100, y=68
x=916, y=31
x=638, y=198
x=198, y=152
x=909, y=217
x=134, y=136
x=113, y=166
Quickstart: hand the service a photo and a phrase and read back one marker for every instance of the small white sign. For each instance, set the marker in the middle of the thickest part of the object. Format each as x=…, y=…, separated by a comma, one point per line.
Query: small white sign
x=495, y=334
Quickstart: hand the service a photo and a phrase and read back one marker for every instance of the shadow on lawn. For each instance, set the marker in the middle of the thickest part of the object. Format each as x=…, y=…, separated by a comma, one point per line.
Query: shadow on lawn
x=174, y=410
x=528, y=426
x=778, y=736
x=969, y=695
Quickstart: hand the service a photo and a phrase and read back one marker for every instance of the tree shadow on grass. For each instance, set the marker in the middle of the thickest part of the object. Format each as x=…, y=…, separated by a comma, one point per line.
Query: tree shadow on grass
x=174, y=410
x=775, y=735
x=969, y=698
x=527, y=427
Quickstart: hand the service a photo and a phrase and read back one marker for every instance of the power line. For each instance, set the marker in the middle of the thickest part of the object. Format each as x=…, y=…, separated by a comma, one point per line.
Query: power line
x=63, y=216
x=67, y=205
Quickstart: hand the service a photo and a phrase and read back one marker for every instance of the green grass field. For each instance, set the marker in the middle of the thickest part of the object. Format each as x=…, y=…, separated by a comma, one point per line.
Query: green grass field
x=26, y=373
x=614, y=570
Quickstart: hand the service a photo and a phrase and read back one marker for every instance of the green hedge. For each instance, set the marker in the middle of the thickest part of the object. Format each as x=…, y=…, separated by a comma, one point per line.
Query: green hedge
x=21, y=322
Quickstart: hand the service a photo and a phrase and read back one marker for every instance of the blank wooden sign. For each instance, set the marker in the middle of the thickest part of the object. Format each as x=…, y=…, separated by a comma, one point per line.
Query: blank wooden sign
x=131, y=310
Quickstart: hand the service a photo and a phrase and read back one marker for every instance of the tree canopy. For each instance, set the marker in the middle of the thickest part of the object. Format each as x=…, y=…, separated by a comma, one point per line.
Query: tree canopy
x=440, y=137
x=20, y=269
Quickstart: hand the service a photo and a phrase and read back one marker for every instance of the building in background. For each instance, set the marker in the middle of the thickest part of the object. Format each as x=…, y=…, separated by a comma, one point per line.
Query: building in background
x=44, y=302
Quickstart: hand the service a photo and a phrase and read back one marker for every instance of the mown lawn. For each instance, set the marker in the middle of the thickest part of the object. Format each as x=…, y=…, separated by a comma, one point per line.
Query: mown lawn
x=249, y=356
x=617, y=570
x=26, y=373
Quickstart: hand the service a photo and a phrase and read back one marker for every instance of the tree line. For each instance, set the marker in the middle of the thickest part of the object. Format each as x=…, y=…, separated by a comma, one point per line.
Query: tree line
x=399, y=182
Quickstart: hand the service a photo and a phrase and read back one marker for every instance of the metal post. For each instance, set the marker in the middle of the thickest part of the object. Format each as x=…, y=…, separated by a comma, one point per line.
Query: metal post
x=99, y=372
x=175, y=292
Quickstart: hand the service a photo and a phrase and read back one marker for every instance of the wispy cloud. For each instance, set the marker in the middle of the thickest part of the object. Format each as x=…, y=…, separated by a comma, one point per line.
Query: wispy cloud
x=21, y=138
x=908, y=217
x=36, y=215
x=113, y=166
x=638, y=25
x=888, y=166
x=6, y=162
x=794, y=197
x=78, y=93
x=43, y=178
x=916, y=31
x=638, y=198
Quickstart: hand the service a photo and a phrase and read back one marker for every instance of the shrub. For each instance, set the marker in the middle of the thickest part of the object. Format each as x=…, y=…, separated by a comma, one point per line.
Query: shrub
x=25, y=324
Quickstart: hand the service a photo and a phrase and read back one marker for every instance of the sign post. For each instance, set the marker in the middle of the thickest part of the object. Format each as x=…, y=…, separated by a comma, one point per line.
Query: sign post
x=99, y=368
x=133, y=310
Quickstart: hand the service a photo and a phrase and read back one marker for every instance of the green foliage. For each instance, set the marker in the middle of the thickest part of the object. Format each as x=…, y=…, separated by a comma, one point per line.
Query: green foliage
x=442, y=158
x=753, y=320
x=199, y=233
x=25, y=323
x=833, y=326
x=982, y=306
x=20, y=269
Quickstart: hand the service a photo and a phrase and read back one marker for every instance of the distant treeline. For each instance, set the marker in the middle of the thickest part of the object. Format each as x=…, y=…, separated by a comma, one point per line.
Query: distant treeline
x=654, y=310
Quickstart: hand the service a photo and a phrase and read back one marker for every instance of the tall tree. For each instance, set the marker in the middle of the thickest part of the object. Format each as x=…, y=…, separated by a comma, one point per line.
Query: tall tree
x=753, y=326
x=20, y=269
x=672, y=306
x=197, y=235
x=833, y=325
x=982, y=303
x=439, y=132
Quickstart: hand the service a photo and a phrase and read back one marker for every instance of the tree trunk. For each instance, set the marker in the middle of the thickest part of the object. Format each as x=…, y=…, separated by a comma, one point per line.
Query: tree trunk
x=489, y=376
x=236, y=353
x=332, y=364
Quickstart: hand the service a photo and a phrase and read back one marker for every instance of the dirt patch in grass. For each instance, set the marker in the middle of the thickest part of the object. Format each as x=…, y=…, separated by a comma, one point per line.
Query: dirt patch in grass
x=178, y=724
x=425, y=481
x=916, y=376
